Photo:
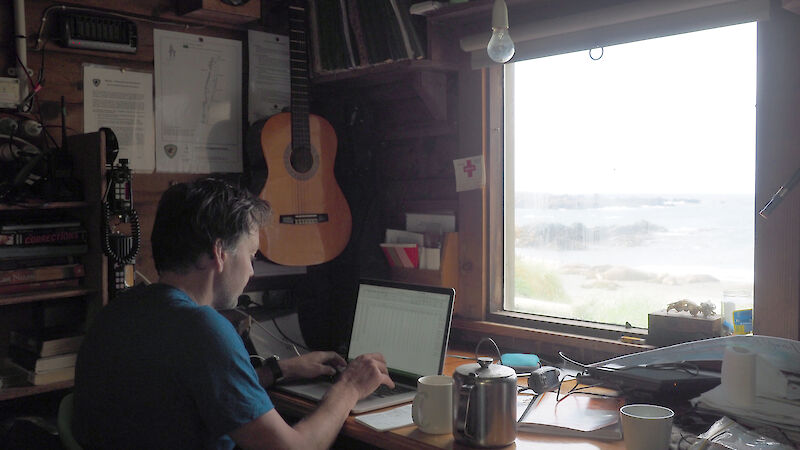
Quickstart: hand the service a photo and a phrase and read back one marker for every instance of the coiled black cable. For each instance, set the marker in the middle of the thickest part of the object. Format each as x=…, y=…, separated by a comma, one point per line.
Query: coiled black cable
x=136, y=234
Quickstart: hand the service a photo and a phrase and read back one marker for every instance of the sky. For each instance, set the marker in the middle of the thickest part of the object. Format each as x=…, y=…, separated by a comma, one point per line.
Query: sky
x=674, y=115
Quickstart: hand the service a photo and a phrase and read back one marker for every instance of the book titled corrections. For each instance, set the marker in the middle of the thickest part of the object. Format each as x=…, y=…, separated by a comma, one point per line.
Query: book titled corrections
x=44, y=237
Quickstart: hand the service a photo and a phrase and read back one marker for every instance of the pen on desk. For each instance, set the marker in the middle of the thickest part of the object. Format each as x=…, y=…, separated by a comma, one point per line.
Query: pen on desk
x=460, y=357
x=528, y=408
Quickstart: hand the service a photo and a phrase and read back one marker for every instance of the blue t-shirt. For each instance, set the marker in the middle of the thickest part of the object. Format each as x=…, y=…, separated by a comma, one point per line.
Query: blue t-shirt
x=156, y=370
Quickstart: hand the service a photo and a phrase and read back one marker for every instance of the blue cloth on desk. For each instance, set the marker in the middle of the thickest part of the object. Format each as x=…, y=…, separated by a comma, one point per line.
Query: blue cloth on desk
x=156, y=370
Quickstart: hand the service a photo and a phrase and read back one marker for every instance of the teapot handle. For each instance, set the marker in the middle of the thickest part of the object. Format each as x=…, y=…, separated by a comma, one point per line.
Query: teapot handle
x=478, y=347
x=468, y=390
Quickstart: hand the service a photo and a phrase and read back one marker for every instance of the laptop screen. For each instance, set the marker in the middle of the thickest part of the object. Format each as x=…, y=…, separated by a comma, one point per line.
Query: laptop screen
x=408, y=324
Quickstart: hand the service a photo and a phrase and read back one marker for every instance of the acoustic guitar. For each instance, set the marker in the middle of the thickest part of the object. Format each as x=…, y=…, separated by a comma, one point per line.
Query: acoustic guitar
x=310, y=222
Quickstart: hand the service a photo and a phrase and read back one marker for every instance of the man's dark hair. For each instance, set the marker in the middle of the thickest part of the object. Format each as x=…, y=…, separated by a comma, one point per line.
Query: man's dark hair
x=192, y=216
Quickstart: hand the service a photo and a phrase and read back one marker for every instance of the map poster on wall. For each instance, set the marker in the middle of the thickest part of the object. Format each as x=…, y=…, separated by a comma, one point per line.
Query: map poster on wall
x=121, y=100
x=198, y=103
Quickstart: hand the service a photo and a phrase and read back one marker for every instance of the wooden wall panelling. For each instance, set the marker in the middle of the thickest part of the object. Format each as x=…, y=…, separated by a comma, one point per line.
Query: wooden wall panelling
x=472, y=286
x=432, y=90
x=216, y=10
x=401, y=194
x=416, y=158
x=64, y=66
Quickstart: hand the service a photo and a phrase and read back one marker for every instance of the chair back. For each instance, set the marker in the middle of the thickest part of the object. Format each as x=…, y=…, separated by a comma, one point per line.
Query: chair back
x=65, y=423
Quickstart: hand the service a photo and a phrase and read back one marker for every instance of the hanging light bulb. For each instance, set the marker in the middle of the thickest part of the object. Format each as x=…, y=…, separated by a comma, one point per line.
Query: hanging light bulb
x=501, y=47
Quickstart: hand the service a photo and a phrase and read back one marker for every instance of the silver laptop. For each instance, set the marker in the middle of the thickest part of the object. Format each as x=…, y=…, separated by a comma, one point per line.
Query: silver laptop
x=408, y=324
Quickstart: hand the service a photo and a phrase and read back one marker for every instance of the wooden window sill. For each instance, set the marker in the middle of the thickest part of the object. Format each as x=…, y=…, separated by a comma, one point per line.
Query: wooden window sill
x=545, y=343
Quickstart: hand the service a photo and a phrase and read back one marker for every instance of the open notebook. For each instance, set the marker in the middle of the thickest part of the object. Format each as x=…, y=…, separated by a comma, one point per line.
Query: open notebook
x=408, y=324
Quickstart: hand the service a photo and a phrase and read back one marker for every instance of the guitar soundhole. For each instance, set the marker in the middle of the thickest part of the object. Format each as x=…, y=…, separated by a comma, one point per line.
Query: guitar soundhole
x=301, y=162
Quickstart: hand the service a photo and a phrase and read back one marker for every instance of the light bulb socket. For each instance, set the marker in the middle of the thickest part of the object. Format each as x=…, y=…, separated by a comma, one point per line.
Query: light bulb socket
x=499, y=15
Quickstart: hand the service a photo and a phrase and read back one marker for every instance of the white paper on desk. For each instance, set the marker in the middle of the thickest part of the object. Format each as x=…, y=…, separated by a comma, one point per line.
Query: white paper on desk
x=122, y=100
x=783, y=412
x=388, y=420
x=198, y=103
x=268, y=89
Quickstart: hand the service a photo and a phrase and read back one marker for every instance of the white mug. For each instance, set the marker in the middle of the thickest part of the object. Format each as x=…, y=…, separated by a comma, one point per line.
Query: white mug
x=432, y=409
x=646, y=427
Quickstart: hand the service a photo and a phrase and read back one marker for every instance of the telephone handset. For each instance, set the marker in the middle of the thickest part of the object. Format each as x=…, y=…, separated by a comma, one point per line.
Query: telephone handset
x=119, y=245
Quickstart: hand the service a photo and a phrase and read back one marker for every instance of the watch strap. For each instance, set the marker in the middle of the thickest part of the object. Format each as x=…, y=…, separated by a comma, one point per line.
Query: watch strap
x=272, y=364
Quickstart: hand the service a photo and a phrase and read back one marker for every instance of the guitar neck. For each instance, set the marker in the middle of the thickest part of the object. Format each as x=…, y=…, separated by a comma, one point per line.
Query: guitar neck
x=298, y=64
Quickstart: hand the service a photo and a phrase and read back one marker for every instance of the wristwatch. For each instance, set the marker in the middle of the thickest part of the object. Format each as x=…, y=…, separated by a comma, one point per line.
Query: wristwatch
x=274, y=367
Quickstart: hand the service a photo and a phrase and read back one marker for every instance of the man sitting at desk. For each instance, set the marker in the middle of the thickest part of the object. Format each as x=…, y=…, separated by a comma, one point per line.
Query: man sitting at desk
x=160, y=368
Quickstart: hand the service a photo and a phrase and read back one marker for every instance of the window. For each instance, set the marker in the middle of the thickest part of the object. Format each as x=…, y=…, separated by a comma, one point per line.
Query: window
x=630, y=177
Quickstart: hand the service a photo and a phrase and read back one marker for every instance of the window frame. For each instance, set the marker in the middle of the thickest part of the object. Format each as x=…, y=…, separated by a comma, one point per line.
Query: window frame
x=777, y=254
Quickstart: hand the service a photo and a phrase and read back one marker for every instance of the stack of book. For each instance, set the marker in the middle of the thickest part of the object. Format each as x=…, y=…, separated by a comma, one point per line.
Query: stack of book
x=34, y=239
x=39, y=278
x=40, y=255
x=46, y=355
x=346, y=34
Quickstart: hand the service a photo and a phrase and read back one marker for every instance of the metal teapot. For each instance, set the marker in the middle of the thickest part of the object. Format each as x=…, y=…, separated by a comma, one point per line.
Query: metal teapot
x=485, y=402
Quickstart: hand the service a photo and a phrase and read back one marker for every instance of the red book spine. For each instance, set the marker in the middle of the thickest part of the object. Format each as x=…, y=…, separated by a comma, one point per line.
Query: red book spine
x=39, y=286
x=44, y=273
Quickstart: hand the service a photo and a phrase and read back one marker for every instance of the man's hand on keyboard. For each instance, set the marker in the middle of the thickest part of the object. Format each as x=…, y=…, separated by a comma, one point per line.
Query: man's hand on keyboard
x=311, y=365
x=366, y=373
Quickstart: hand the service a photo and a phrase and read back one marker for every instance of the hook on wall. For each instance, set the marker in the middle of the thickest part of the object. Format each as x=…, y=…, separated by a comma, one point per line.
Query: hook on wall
x=591, y=54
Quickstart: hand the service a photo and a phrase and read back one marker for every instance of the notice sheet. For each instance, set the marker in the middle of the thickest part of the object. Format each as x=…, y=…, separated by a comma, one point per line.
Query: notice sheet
x=121, y=100
x=268, y=90
x=198, y=103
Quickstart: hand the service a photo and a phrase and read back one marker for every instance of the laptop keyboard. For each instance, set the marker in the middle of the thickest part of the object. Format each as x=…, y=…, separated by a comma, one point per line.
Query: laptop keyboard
x=385, y=391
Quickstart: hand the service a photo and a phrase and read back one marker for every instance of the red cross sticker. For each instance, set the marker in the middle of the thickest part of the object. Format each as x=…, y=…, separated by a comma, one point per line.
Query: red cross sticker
x=469, y=168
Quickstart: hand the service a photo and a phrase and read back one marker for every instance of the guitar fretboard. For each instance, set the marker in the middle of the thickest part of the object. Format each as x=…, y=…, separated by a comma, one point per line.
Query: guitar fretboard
x=298, y=64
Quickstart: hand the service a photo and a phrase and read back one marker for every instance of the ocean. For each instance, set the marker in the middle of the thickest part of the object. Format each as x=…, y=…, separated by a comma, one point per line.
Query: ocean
x=662, y=248
x=702, y=234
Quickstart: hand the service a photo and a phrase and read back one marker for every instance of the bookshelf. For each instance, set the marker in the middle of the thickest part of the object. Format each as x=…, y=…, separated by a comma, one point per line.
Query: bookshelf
x=19, y=310
x=381, y=72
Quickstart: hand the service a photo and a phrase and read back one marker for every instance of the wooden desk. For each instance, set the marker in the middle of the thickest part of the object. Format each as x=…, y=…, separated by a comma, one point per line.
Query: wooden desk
x=411, y=438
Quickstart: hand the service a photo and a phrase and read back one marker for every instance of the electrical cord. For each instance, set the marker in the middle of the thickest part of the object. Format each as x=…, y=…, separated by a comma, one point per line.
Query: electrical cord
x=275, y=322
x=575, y=388
x=572, y=361
x=27, y=102
x=141, y=275
x=288, y=344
